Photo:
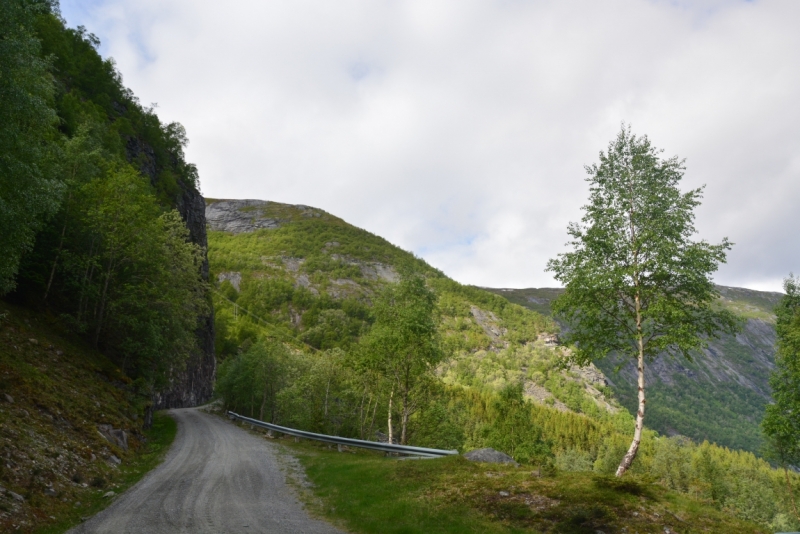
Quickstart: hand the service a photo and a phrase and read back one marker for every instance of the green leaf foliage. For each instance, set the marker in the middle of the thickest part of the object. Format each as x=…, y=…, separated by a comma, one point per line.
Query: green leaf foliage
x=89, y=184
x=633, y=253
x=781, y=422
x=29, y=186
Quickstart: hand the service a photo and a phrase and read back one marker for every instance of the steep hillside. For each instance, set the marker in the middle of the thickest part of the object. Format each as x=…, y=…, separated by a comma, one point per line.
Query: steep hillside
x=71, y=426
x=108, y=259
x=307, y=276
x=720, y=396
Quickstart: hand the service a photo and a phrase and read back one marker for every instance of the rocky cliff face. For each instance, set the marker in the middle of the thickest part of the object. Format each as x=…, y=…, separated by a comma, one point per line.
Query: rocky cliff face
x=242, y=216
x=194, y=384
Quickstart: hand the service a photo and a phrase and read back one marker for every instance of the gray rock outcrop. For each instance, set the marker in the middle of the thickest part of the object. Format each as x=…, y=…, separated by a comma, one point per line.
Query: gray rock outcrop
x=116, y=436
x=193, y=384
x=489, y=456
x=239, y=216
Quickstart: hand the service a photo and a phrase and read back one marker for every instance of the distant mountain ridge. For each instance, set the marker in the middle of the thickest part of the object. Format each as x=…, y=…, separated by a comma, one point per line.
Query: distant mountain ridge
x=720, y=396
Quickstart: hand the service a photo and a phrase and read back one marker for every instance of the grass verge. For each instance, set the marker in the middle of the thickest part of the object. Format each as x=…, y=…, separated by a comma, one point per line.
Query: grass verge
x=159, y=439
x=368, y=493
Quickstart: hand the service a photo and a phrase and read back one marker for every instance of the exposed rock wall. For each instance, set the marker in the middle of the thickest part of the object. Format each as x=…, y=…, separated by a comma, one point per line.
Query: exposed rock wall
x=239, y=216
x=194, y=384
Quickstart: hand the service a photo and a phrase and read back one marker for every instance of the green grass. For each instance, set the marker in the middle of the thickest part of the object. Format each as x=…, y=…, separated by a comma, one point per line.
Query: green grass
x=159, y=439
x=368, y=493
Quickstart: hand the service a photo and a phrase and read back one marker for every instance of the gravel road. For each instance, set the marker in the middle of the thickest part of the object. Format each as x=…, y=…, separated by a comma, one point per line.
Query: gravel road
x=216, y=478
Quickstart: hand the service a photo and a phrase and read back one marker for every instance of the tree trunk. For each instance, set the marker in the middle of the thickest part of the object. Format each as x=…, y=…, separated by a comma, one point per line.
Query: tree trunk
x=103, y=302
x=791, y=492
x=327, y=391
x=273, y=415
x=374, y=414
x=148, y=417
x=404, y=418
x=263, y=403
x=362, y=414
x=87, y=279
x=58, y=252
x=391, y=434
x=627, y=460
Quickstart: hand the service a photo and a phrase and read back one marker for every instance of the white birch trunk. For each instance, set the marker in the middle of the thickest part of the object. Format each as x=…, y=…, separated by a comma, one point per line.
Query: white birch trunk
x=627, y=460
x=391, y=434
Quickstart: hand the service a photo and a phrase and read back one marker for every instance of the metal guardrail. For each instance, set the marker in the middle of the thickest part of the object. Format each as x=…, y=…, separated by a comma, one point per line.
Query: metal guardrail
x=350, y=442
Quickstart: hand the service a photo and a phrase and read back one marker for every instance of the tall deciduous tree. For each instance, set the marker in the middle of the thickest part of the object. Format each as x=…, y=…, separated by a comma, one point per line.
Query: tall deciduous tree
x=635, y=282
x=403, y=344
x=781, y=422
x=29, y=193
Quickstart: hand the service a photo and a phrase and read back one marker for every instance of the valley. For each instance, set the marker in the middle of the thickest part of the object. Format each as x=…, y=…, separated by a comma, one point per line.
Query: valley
x=134, y=312
x=295, y=291
x=718, y=396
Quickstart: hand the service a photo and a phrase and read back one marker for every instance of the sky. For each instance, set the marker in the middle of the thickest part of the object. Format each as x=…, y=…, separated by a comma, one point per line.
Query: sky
x=459, y=129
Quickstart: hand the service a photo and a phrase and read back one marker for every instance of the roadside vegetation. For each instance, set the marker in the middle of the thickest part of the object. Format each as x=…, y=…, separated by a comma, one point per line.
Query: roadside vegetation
x=313, y=334
x=56, y=394
x=90, y=186
x=365, y=492
x=300, y=361
x=102, y=285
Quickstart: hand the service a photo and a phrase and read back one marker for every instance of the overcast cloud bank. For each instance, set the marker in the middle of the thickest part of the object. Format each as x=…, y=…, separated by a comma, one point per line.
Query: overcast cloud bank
x=459, y=129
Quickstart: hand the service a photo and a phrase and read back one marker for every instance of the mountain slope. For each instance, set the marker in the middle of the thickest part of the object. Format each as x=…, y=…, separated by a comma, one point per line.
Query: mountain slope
x=71, y=425
x=308, y=277
x=720, y=395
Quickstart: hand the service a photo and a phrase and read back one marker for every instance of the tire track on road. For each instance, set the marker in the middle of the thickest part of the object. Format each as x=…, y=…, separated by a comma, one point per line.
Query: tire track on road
x=216, y=478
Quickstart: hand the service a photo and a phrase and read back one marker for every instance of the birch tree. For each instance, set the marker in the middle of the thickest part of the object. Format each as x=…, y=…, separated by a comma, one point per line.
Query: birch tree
x=781, y=422
x=636, y=284
x=403, y=344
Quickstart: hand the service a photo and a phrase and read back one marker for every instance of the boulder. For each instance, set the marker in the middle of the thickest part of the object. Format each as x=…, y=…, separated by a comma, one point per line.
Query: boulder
x=489, y=456
x=114, y=435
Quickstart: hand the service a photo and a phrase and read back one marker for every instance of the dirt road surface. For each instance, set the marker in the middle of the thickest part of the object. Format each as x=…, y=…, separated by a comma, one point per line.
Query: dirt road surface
x=216, y=478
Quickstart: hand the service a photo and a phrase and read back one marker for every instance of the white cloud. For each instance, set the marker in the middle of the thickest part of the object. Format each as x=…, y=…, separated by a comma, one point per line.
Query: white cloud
x=459, y=129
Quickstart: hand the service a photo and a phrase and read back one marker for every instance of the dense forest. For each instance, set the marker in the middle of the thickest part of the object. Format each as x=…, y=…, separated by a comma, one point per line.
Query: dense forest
x=91, y=184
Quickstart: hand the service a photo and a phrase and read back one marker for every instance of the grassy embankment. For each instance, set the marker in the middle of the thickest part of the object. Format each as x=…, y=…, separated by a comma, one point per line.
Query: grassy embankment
x=54, y=391
x=367, y=493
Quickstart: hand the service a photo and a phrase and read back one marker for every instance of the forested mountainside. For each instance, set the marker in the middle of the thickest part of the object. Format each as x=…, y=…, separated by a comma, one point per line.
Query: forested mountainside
x=310, y=277
x=103, y=225
x=300, y=294
x=719, y=396
x=105, y=311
